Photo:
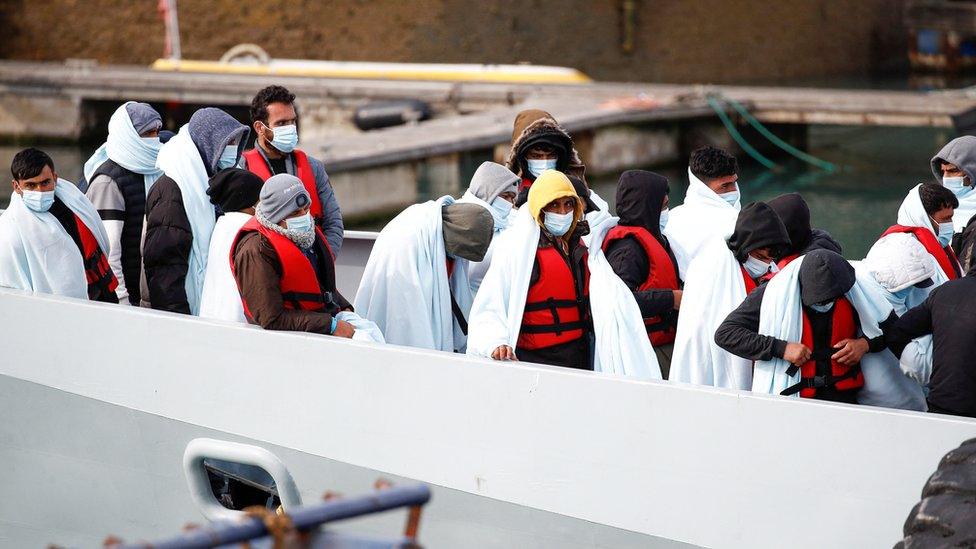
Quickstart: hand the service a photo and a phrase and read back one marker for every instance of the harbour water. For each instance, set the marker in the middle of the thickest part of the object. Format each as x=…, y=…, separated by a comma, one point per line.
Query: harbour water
x=877, y=166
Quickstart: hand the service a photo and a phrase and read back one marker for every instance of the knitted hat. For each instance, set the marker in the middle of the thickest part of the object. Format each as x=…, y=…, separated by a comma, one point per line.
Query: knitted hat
x=281, y=196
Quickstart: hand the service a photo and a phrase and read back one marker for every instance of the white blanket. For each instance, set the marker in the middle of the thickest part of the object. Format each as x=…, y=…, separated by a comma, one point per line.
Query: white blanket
x=622, y=345
x=181, y=161
x=781, y=316
x=405, y=289
x=220, y=298
x=714, y=288
x=37, y=254
x=366, y=330
x=702, y=217
x=126, y=148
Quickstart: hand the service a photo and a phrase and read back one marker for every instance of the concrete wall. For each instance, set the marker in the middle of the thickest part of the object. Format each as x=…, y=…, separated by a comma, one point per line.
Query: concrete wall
x=673, y=40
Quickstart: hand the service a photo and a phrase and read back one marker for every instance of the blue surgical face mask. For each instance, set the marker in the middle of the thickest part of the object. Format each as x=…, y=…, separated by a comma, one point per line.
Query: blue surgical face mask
x=536, y=167
x=558, y=224
x=285, y=138
x=946, y=231
x=39, y=201
x=664, y=219
x=731, y=197
x=228, y=158
x=501, y=209
x=302, y=223
x=957, y=185
x=822, y=307
x=755, y=267
x=902, y=294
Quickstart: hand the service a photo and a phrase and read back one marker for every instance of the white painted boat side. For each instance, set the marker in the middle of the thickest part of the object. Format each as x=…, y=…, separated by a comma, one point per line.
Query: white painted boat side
x=704, y=466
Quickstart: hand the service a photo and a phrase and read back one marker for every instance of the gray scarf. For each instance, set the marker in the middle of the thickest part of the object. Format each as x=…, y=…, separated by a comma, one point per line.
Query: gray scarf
x=302, y=239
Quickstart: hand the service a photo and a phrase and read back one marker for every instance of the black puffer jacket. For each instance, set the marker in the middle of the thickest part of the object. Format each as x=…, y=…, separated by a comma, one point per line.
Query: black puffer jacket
x=166, y=250
x=795, y=215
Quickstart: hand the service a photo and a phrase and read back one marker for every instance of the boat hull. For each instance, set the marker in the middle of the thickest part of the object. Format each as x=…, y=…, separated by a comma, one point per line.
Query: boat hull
x=590, y=456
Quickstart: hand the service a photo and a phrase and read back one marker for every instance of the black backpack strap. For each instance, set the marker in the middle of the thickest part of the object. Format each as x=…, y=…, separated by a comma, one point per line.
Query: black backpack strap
x=458, y=315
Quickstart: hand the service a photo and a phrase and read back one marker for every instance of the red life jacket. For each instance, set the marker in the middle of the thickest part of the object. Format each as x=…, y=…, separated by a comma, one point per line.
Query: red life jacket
x=781, y=264
x=841, y=377
x=552, y=307
x=662, y=275
x=945, y=256
x=303, y=170
x=98, y=273
x=299, y=285
x=525, y=184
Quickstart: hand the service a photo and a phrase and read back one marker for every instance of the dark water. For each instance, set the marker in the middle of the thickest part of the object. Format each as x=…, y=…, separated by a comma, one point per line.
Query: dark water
x=855, y=204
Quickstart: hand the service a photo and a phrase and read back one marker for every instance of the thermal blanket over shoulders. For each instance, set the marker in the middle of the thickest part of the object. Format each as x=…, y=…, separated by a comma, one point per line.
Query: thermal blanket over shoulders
x=622, y=346
x=405, y=289
x=220, y=298
x=37, y=254
x=702, y=217
x=713, y=289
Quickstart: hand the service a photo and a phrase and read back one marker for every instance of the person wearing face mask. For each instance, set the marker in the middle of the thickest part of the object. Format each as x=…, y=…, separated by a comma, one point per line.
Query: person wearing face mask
x=415, y=286
x=494, y=188
x=948, y=315
x=808, y=329
x=179, y=215
x=51, y=238
x=235, y=192
x=641, y=256
x=719, y=279
x=274, y=120
x=283, y=266
x=900, y=269
x=710, y=207
x=539, y=143
x=552, y=297
x=119, y=175
x=926, y=213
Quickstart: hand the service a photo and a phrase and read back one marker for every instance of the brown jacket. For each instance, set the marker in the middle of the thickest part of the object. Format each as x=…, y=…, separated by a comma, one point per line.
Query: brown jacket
x=257, y=269
x=533, y=126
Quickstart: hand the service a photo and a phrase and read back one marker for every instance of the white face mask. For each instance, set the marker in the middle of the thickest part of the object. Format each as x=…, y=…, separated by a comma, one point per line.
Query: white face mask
x=501, y=209
x=302, y=223
x=822, y=307
x=285, y=138
x=664, y=219
x=228, y=158
x=755, y=267
x=536, y=167
x=558, y=224
x=957, y=185
x=38, y=201
x=946, y=230
x=731, y=197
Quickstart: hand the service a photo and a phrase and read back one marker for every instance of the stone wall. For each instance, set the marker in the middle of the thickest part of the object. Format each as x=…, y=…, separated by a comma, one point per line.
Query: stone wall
x=673, y=40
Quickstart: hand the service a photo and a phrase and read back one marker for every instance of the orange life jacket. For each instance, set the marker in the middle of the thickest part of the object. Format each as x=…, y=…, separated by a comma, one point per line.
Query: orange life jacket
x=943, y=255
x=841, y=377
x=98, y=273
x=553, y=310
x=299, y=285
x=662, y=275
x=303, y=170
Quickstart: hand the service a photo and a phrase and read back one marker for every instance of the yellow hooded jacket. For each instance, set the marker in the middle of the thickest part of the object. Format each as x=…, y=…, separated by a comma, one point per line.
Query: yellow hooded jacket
x=552, y=185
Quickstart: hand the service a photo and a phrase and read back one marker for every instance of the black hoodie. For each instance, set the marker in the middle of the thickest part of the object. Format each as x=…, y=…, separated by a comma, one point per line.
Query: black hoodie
x=640, y=195
x=795, y=215
x=758, y=226
x=824, y=276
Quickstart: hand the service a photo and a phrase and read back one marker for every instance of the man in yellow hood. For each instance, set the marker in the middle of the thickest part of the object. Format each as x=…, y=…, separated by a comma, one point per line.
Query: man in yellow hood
x=556, y=327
